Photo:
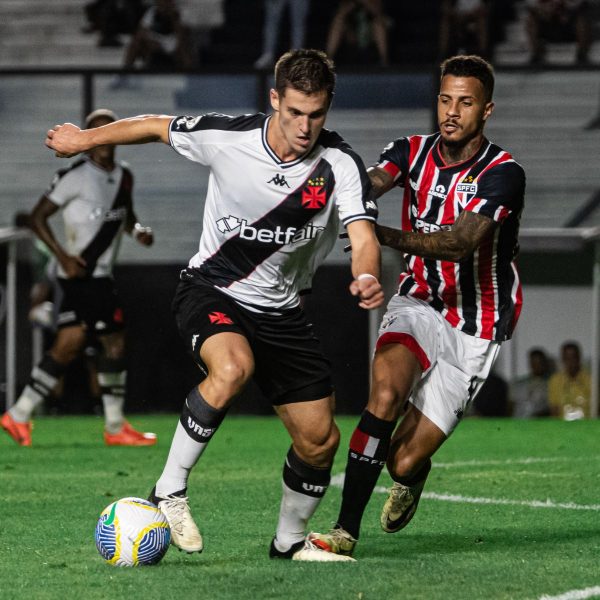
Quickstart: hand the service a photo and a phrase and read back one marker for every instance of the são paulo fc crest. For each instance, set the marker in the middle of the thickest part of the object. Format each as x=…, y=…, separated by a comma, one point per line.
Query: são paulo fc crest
x=465, y=190
x=314, y=195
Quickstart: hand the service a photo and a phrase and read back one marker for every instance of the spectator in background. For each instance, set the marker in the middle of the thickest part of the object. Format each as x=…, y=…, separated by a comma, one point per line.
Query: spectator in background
x=464, y=28
x=363, y=10
x=201, y=17
x=113, y=17
x=298, y=11
x=570, y=390
x=161, y=40
x=558, y=21
x=529, y=394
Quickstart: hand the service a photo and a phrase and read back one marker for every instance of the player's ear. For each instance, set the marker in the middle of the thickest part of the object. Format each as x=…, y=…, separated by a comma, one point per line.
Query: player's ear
x=488, y=110
x=274, y=97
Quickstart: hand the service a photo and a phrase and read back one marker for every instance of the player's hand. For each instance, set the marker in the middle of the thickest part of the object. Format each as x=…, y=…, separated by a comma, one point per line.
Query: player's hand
x=63, y=139
x=143, y=235
x=74, y=266
x=369, y=290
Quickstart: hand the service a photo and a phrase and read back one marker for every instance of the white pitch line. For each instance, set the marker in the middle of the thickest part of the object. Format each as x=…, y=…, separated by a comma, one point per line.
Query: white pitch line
x=502, y=501
x=338, y=481
x=590, y=592
x=511, y=461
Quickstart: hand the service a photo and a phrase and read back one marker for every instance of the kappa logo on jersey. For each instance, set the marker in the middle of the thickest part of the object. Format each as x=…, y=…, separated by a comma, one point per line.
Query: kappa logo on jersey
x=314, y=195
x=465, y=190
x=281, y=236
x=219, y=318
x=188, y=122
x=279, y=180
x=371, y=205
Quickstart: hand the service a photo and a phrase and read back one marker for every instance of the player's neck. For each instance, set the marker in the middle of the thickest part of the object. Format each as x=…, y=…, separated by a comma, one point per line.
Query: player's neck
x=278, y=144
x=104, y=162
x=453, y=155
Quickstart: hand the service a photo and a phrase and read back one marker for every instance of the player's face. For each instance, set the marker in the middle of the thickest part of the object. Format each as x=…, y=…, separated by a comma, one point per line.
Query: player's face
x=462, y=109
x=102, y=154
x=298, y=121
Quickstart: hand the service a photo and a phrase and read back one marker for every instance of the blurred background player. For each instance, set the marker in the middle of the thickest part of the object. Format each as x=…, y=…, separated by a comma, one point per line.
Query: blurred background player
x=280, y=186
x=95, y=197
x=457, y=301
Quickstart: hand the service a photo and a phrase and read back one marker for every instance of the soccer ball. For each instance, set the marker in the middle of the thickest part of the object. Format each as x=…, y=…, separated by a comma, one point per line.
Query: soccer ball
x=132, y=532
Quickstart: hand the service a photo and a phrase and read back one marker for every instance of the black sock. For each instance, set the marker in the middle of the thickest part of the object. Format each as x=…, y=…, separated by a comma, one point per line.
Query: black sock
x=367, y=454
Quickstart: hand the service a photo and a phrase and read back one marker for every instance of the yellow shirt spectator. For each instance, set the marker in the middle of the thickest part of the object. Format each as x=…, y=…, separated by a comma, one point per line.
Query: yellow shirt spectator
x=570, y=390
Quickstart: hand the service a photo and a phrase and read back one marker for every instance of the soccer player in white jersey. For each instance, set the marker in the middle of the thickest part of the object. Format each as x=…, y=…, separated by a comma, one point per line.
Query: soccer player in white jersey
x=458, y=299
x=94, y=195
x=279, y=188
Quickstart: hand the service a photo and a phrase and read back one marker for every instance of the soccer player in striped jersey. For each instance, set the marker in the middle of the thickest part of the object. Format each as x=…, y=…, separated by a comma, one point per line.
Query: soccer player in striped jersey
x=94, y=196
x=457, y=301
x=280, y=186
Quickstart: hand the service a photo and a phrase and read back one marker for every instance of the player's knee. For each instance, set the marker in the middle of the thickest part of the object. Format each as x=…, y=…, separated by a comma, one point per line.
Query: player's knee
x=68, y=343
x=385, y=402
x=231, y=376
x=318, y=447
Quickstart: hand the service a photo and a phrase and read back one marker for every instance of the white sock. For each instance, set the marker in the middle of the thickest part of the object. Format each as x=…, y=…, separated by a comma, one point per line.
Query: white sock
x=23, y=408
x=295, y=511
x=113, y=412
x=183, y=455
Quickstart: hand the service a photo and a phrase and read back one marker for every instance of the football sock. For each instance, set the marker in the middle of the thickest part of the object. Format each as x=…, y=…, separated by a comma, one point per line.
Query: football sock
x=198, y=423
x=303, y=487
x=367, y=454
x=418, y=477
x=112, y=377
x=42, y=381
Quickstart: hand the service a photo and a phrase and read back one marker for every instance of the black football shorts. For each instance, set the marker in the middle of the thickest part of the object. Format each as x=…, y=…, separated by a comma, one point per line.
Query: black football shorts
x=289, y=364
x=93, y=302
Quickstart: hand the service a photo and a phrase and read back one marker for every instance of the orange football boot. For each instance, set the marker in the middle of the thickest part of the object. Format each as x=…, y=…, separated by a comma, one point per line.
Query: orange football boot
x=20, y=432
x=128, y=436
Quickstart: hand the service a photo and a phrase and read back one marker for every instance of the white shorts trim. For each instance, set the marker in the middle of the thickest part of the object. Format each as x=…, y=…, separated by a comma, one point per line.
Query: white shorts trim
x=455, y=364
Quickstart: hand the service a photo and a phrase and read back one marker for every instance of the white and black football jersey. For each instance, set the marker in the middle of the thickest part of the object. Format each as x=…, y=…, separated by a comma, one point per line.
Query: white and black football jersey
x=268, y=224
x=94, y=205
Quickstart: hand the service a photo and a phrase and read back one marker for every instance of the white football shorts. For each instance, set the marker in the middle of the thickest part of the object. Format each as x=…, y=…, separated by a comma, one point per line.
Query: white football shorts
x=455, y=364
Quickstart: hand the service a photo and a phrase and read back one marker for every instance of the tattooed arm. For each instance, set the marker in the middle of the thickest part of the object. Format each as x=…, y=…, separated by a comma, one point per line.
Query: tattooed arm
x=467, y=234
x=381, y=181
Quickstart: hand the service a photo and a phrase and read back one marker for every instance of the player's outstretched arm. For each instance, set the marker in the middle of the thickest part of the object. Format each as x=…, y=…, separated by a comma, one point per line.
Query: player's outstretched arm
x=467, y=234
x=366, y=264
x=68, y=140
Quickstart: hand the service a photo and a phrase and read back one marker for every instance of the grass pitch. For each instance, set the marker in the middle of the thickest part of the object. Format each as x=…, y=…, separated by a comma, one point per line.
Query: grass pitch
x=511, y=511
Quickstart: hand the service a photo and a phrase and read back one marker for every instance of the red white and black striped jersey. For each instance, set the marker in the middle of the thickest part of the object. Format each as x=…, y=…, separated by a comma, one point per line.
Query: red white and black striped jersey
x=268, y=224
x=95, y=204
x=480, y=295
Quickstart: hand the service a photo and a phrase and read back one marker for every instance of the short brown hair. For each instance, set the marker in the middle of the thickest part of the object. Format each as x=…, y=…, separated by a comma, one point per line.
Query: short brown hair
x=308, y=71
x=471, y=66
